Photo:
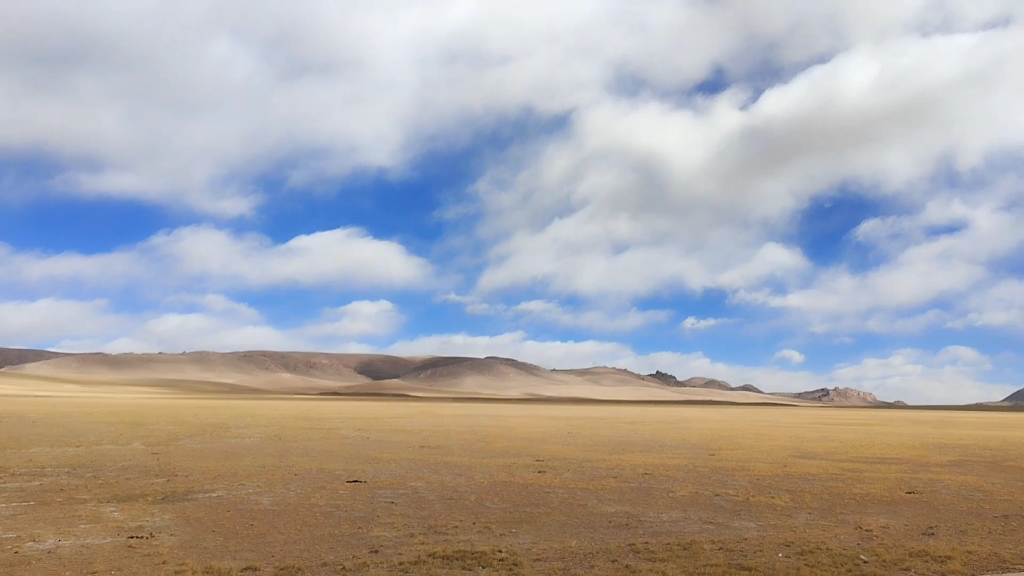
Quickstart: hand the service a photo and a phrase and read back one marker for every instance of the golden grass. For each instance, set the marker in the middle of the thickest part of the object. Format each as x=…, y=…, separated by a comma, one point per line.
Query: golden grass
x=264, y=486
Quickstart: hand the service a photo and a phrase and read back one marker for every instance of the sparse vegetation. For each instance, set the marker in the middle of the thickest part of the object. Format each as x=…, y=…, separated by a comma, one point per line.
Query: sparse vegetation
x=258, y=487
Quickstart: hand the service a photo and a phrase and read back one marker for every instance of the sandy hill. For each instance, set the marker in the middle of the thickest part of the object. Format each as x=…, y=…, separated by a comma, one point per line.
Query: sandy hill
x=317, y=373
x=16, y=356
x=211, y=366
x=1015, y=398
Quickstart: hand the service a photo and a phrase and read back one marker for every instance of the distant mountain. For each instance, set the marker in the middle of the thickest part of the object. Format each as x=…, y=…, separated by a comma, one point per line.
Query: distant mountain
x=359, y=374
x=18, y=356
x=314, y=372
x=1015, y=398
x=838, y=396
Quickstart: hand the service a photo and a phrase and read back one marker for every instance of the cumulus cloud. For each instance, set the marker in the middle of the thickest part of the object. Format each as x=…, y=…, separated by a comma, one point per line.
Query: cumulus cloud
x=129, y=105
x=954, y=375
x=947, y=249
x=183, y=332
x=472, y=305
x=998, y=306
x=649, y=187
x=641, y=195
x=789, y=355
x=595, y=319
x=40, y=323
x=550, y=354
x=340, y=258
x=189, y=322
x=358, y=319
x=694, y=323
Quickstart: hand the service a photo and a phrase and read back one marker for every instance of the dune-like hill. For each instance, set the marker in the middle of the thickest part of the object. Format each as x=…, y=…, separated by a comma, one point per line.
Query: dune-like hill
x=37, y=372
x=16, y=356
x=1015, y=398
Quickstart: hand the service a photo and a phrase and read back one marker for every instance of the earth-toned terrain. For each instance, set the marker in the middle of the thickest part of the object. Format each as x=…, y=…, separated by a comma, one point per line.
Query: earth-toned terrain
x=268, y=485
x=1015, y=398
x=39, y=372
x=240, y=464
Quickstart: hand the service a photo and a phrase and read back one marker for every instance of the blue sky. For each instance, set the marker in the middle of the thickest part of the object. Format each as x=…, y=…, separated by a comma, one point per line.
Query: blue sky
x=807, y=195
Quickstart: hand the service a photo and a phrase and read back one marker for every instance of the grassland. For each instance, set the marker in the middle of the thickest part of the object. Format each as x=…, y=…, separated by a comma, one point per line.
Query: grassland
x=358, y=486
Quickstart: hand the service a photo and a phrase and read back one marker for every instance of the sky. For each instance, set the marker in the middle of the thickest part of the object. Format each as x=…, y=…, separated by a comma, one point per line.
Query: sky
x=795, y=194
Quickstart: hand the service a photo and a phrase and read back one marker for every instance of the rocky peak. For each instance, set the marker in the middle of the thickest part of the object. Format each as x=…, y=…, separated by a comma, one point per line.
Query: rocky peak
x=665, y=378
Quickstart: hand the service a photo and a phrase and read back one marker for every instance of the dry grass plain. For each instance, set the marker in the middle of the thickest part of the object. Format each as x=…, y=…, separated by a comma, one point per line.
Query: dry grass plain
x=264, y=485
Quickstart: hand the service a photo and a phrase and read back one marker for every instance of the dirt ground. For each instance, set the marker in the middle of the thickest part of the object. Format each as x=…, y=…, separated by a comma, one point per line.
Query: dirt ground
x=355, y=486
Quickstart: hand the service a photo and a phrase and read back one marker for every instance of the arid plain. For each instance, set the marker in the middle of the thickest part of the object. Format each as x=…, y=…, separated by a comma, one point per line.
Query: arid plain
x=269, y=486
x=137, y=479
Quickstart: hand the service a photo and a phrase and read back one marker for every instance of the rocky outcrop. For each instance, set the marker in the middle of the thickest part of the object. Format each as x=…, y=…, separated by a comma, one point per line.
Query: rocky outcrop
x=665, y=378
x=838, y=396
x=699, y=382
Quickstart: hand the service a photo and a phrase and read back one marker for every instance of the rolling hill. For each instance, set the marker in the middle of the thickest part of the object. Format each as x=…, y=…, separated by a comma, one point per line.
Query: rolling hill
x=16, y=356
x=37, y=372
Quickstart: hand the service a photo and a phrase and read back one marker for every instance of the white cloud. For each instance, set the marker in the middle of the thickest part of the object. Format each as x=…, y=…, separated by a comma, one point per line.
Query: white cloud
x=789, y=355
x=642, y=195
x=188, y=322
x=134, y=106
x=358, y=319
x=952, y=376
x=183, y=332
x=999, y=306
x=963, y=356
x=647, y=189
x=595, y=320
x=472, y=305
x=218, y=304
x=694, y=323
x=222, y=325
x=43, y=322
x=550, y=354
x=951, y=247
x=214, y=258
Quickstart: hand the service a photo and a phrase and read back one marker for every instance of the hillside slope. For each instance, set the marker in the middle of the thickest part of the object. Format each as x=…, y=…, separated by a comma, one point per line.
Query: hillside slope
x=18, y=356
x=1015, y=398
x=442, y=376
